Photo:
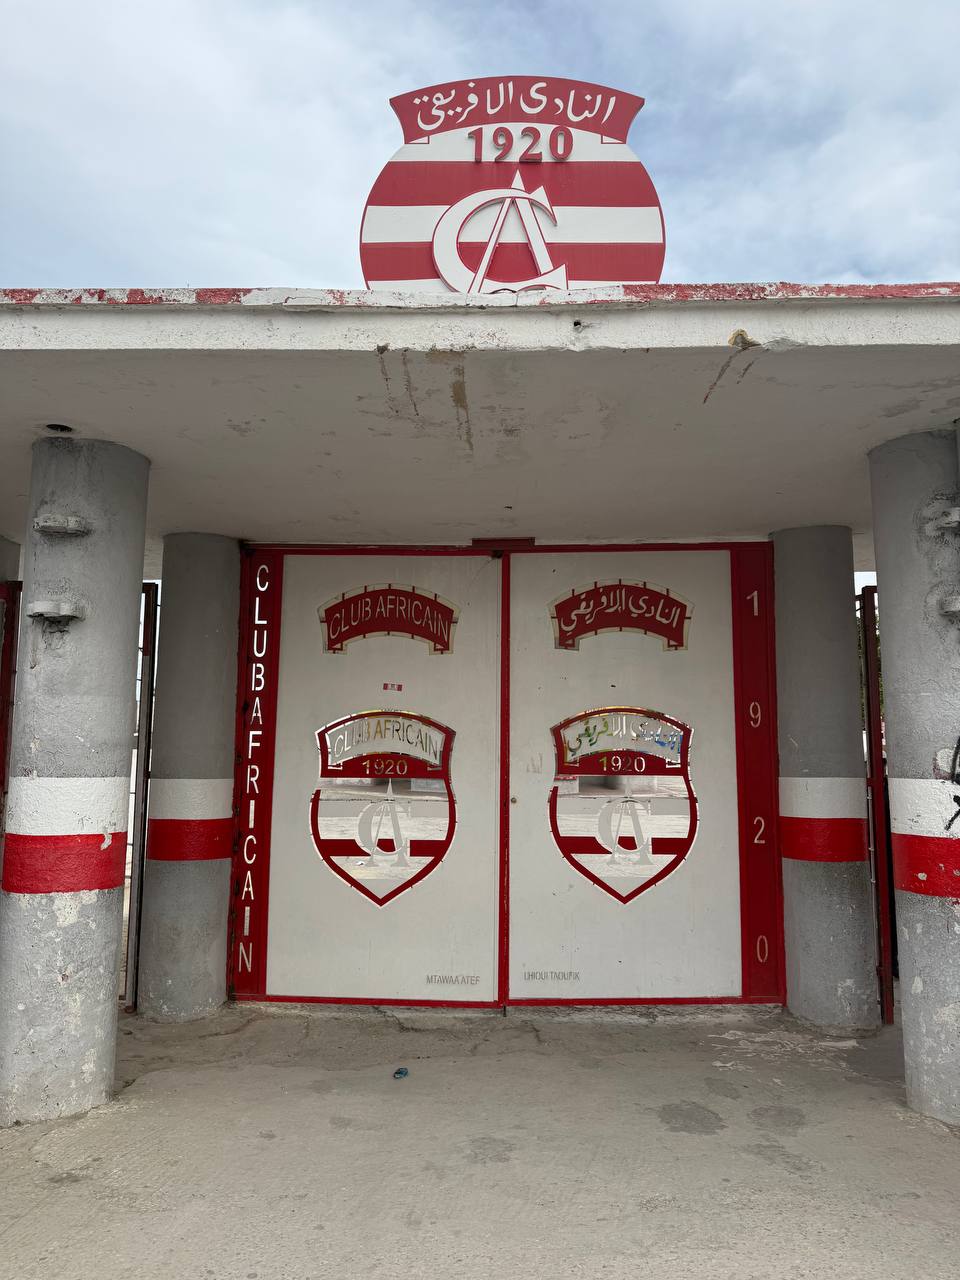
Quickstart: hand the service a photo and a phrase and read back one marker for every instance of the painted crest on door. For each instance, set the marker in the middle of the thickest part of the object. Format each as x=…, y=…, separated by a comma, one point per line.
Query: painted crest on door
x=383, y=815
x=622, y=808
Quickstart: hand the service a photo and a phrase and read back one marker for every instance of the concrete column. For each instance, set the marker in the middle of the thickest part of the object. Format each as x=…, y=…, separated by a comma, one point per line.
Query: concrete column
x=183, y=947
x=61, y=905
x=914, y=485
x=828, y=910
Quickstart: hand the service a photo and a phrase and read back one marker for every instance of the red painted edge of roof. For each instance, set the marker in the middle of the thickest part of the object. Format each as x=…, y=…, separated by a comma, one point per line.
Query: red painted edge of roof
x=637, y=293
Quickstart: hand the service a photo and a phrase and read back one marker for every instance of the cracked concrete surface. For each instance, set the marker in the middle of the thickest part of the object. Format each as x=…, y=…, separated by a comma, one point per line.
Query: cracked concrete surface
x=273, y=1142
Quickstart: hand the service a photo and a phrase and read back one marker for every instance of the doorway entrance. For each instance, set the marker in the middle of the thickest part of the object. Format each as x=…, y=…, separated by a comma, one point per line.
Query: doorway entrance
x=525, y=776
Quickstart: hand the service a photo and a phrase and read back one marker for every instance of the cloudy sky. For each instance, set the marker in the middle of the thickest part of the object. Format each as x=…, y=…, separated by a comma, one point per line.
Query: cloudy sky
x=233, y=142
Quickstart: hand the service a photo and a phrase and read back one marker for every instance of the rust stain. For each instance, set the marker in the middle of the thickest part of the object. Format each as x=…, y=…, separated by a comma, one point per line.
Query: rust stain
x=458, y=394
x=382, y=349
x=408, y=382
x=723, y=369
x=740, y=341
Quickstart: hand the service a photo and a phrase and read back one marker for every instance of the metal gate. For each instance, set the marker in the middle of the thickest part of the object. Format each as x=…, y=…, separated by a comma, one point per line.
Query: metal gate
x=139, y=784
x=881, y=854
x=478, y=776
x=9, y=609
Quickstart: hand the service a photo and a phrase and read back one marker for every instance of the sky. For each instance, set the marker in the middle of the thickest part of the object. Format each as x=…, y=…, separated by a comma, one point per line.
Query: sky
x=233, y=142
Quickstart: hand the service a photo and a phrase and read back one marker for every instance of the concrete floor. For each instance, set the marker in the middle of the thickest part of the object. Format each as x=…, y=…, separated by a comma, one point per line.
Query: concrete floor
x=274, y=1143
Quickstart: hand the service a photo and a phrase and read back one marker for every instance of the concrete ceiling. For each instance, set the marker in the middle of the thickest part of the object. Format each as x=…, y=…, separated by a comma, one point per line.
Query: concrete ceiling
x=349, y=423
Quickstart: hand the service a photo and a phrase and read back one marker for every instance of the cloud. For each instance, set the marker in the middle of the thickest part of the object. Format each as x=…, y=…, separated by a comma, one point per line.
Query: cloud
x=234, y=142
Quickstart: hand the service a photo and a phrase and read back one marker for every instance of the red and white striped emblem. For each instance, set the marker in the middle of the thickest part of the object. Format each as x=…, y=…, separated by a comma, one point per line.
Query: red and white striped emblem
x=511, y=184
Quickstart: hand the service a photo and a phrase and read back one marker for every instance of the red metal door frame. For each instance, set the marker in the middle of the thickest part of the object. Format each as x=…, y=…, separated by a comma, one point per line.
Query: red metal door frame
x=9, y=619
x=751, y=577
x=880, y=854
x=148, y=659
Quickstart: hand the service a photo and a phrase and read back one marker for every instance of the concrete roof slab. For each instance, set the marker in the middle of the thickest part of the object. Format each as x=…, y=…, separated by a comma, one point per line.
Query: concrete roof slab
x=693, y=412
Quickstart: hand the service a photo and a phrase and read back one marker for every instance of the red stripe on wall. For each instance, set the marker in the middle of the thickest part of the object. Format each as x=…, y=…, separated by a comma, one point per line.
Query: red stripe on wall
x=515, y=261
x=927, y=864
x=189, y=839
x=63, y=864
x=824, y=839
x=601, y=183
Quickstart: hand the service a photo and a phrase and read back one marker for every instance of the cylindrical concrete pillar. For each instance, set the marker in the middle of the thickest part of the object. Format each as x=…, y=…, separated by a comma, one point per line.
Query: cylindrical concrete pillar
x=917, y=541
x=829, y=930
x=183, y=941
x=61, y=906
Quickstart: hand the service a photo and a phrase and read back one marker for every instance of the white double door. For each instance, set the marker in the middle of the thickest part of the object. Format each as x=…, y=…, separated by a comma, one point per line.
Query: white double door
x=401, y=867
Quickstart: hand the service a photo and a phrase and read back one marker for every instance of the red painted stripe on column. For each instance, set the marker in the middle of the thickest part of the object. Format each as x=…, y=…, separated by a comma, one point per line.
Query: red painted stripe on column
x=63, y=864
x=824, y=839
x=189, y=839
x=927, y=864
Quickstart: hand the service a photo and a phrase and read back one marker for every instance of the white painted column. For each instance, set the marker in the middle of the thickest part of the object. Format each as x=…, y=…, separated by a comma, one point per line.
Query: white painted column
x=917, y=541
x=829, y=930
x=61, y=905
x=186, y=894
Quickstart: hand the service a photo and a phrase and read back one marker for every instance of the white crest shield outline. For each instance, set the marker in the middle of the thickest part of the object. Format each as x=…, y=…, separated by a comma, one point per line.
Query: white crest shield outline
x=622, y=809
x=383, y=816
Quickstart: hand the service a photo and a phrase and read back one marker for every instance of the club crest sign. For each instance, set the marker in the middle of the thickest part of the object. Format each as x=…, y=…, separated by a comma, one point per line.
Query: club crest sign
x=622, y=808
x=383, y=815
x=512, y=183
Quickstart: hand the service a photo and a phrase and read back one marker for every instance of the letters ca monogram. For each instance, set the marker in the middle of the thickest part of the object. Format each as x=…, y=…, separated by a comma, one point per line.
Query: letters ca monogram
x=446, y=240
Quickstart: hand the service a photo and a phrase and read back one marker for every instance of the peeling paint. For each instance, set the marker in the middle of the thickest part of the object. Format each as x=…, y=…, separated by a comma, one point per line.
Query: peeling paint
x=633, y=294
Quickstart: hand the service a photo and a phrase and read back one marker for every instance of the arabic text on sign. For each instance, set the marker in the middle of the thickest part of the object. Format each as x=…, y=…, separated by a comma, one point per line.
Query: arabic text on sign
x=549, y=100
